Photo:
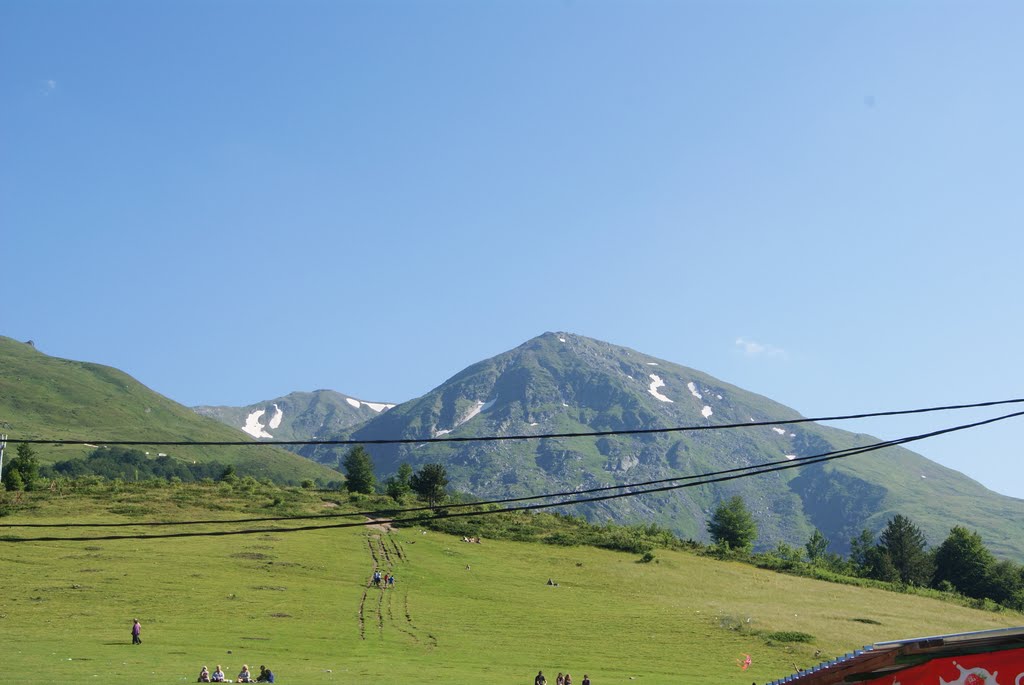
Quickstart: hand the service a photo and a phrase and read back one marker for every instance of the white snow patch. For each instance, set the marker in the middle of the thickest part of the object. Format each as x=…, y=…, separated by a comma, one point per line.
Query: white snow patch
x=656, y=383
x=652, y=363
x=354, y=403
x=564, y=404
x=706, y=412
x=693, y=390
x=718, y=396
x=253, y=426
x=780, y=431
x=792, y=435
x=791, y=457
x=278, y=415
x=438, y=434
x=378, y=406
x=561, y=340
x=480, y=406
x=923, y=476
x=534, y=423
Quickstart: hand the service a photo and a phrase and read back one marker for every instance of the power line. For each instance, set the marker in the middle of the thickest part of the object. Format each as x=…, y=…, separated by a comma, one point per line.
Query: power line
x=726, y=475
x=496, y=438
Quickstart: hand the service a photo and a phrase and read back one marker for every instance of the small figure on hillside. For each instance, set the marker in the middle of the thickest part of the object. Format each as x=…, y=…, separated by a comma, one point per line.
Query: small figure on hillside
x=376, y=578
x=386, y=577
x=265, y=676
x=244, y=676
x=586, y=679
x=540, y=679
x=391, y=580
x=204, y=675
x=568, y=679
x=560, y=679
x=136, y=633
x=218, y=675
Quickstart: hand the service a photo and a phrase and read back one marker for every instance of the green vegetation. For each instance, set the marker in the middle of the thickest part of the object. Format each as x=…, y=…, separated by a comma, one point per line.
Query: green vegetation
x=358, y=468
x=43, y=397
x=732, y=525
x=300, y=602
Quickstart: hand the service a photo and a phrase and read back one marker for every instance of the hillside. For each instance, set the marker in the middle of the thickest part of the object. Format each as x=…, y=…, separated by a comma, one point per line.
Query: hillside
x=560, y=382
x=297, y=415
x=460, y=613
x=49, y=397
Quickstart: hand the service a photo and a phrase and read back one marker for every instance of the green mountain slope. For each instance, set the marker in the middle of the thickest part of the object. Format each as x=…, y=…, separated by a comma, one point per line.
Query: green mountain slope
x=297, y=416
x=559, y=382
x=48, y=397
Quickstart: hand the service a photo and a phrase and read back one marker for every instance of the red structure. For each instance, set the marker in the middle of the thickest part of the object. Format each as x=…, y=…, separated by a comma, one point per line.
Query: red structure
x=991, y=657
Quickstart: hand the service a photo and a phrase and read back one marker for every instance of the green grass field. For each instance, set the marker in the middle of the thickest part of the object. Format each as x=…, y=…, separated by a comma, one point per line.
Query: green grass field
x=459, y=613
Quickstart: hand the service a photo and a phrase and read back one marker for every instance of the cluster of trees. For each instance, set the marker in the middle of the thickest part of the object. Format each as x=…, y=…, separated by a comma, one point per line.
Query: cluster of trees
x=133, y=465
x=22, y=472
x=430, y=482
x=961, y=564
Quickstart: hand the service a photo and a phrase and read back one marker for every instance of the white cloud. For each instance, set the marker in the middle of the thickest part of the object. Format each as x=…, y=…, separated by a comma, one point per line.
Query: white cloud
x=752, y=348
x=48, y=86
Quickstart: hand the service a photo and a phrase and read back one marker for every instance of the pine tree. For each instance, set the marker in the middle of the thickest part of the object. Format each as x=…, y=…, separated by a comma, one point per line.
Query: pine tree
x=358, y=468
x=905, y=544
x=732, y=524
x=430, y=483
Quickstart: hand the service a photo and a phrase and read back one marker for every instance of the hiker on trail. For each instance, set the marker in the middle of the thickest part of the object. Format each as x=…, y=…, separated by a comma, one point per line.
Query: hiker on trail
x=540, y=679
x=376, y=578
x=265, y=676
x=244, y=676
x=136, y=633
x=218, y=675
x=391, y=580
x=586, y=679
x=204, y=675
x=568, y=679
x=560, y=680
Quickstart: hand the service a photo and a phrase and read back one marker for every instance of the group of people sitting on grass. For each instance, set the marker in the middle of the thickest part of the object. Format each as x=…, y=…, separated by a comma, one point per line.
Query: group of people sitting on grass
x=560, y=680
x=265, y=676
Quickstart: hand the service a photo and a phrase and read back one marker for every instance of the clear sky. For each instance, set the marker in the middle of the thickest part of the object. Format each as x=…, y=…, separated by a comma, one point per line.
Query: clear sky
x=817, y=201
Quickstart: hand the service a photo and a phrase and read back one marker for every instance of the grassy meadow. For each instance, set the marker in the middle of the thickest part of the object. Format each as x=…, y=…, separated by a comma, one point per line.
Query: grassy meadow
x=459, y=612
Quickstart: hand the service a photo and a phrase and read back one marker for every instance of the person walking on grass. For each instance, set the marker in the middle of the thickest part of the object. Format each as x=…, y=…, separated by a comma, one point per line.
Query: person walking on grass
x=136, y=633
x=540, y=679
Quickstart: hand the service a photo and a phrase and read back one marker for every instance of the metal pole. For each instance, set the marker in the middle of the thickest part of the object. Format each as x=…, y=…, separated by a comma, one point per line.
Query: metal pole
x=3, y=444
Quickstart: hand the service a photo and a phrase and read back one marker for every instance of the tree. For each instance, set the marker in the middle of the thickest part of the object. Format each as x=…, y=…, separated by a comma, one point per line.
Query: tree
x=397, y=486
x=904, y=542
x=358, y=468
x=963, y=561
x=23, y=471
x=430, y=483
x=733, y=524
x=817, y=547
x=860, y=552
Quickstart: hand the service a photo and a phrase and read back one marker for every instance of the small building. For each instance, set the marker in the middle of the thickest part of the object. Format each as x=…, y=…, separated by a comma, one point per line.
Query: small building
x=988, y=657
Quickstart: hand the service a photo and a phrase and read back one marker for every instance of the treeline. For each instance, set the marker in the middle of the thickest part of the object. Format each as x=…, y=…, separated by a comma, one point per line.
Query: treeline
x=899, y=556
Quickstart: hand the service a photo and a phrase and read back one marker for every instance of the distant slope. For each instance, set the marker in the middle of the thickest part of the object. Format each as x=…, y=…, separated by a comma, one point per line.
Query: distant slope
x=49, y=397
x=560, y=382
x=298, y=415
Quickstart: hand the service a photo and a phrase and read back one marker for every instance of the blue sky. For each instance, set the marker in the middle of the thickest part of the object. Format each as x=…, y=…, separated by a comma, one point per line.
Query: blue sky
x=819, y=202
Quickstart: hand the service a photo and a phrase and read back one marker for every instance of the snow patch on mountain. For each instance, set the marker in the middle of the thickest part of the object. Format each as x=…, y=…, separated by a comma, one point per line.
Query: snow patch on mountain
x=693, y=390
x=706, y=412
x=656, y=383
x=253, y=426
x=780, y=431
x=275, y=422
x=375, y=406
x=791, y=457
